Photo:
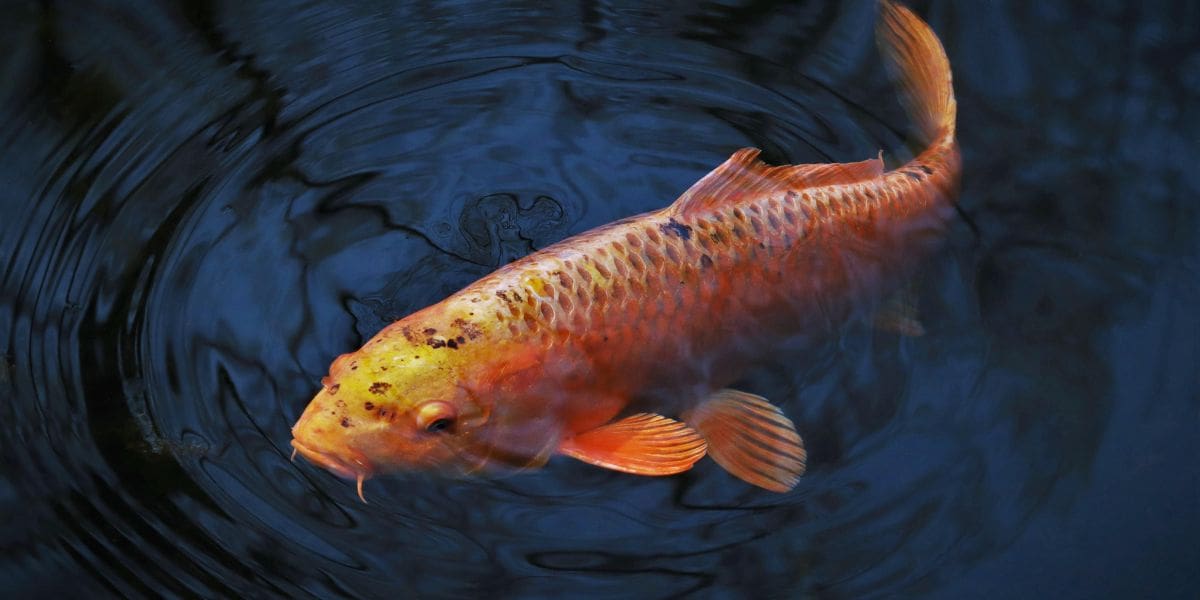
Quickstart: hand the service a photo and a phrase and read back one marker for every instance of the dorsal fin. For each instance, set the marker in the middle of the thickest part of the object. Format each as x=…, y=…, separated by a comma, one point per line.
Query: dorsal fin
x=743, y=177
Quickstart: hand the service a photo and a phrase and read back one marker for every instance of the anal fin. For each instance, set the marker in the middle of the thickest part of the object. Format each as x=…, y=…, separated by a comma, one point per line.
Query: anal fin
x=642, y=444
x=751, y=438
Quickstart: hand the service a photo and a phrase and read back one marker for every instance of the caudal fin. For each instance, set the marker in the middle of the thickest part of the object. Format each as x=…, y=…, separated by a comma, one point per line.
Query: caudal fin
x=918, y=63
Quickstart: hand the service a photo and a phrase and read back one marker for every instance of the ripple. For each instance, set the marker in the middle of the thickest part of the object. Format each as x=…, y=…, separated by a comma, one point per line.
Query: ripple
x=206, y=204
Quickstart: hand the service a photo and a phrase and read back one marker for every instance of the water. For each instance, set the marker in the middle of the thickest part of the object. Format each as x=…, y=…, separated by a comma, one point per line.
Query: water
x=204, y=203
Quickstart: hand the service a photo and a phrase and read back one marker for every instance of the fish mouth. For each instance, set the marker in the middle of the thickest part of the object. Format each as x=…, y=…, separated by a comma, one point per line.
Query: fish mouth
x=360, y=470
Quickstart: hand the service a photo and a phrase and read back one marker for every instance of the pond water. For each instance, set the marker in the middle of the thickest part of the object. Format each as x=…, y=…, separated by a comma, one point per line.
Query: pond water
x=204, y=202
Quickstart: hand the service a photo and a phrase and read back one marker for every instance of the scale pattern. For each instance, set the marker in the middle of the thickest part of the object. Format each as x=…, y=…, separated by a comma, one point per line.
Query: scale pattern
x=692, y=290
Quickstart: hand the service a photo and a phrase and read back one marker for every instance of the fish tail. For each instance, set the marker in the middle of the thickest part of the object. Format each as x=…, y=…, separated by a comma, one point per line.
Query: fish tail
x=918, y=62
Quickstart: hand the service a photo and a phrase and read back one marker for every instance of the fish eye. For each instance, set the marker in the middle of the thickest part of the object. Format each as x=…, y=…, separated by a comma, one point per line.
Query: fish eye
x=436, y=417
x=438, y=425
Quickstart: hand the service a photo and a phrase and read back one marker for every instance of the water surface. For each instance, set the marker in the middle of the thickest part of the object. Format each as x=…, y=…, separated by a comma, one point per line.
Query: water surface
x=203, y=203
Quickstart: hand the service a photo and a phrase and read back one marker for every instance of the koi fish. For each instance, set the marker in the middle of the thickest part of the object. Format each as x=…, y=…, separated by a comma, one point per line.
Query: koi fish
x=615, y=346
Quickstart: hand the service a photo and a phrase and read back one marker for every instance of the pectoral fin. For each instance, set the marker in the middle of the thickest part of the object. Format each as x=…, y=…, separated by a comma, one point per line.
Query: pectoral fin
x=751, y=439
x=642, y=444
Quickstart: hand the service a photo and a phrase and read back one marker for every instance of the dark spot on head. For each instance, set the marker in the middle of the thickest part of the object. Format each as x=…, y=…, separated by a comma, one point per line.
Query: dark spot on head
x=379, y=387
x=333, y=389
x=436, y=343
x=676, y=228
x=460, y=339
x=353, y=367
x=369, y=405
x=453, y=345
x=406, y=331
x=345, y=422
x=705, y=261
x=928, y=170
x=468, y=328
x=429, y=331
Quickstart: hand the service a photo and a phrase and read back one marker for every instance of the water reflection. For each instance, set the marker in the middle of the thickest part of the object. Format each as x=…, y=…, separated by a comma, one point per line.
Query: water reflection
x=204, y=205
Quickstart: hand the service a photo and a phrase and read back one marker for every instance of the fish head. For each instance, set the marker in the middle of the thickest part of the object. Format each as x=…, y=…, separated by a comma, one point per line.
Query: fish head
x=407, y=401
x=370, y=417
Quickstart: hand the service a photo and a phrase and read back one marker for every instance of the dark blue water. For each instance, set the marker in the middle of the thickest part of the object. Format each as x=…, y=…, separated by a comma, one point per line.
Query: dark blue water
x=204, y=202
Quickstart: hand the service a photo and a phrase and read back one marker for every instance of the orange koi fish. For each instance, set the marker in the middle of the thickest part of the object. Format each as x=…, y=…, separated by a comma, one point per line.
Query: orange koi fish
x=614, y=347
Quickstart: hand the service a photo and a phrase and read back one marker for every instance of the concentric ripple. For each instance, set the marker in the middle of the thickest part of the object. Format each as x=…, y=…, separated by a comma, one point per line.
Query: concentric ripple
x=204, y=205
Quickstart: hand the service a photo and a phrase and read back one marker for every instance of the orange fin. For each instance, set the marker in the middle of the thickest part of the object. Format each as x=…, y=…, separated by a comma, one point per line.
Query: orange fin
x=743, y=177
x=751, y=439
x=919, y=64
x=643, y=444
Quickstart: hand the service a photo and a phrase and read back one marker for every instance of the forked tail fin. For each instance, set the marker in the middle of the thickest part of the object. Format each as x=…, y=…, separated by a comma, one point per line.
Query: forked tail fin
x=918, y=63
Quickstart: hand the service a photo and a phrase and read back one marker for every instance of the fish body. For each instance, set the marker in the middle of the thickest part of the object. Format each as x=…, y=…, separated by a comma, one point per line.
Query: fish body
x=615, y=346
